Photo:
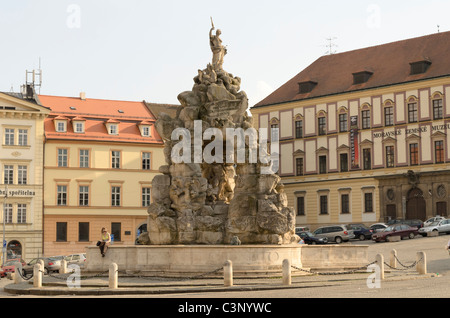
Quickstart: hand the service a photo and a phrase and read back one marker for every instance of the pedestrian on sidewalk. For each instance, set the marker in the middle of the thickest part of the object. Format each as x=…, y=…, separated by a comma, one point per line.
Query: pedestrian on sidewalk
x=105, y=241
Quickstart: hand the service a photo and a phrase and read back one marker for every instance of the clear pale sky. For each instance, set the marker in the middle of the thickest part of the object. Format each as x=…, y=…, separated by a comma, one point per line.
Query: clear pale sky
x=149, y=49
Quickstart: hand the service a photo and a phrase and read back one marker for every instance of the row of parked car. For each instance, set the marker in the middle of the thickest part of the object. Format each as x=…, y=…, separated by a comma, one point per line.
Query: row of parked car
x=51, y=264
x=377, y=232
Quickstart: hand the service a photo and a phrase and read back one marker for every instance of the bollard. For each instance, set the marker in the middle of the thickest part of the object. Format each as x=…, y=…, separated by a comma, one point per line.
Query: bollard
x=41, y=262
x=228, y=274
x=380, y=263
x=37, y=276
x=421, y=266
x=113, y=276
x=17, y=273
x=287, y=274
x=63, y=268
x=393, y=259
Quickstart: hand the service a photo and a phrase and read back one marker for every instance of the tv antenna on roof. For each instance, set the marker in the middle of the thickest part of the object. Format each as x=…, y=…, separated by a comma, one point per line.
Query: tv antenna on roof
x=330, y=46
x=34, y=77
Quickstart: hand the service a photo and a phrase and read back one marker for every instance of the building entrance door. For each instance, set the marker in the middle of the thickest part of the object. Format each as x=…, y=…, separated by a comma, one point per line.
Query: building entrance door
x=441, y=209
x=416, y=206
x=391, y=212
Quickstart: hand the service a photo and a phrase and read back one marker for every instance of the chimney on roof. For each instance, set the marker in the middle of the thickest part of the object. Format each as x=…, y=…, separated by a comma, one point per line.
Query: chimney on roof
x=83, y=96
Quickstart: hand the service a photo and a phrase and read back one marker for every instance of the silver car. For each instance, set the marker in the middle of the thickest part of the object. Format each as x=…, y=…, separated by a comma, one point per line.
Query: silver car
x=78, y=259
x=432, y=220
x=335, y=233
x=442, y=226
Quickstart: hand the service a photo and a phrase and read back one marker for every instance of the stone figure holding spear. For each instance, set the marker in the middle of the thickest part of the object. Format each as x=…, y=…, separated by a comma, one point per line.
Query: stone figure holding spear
x=219, y=51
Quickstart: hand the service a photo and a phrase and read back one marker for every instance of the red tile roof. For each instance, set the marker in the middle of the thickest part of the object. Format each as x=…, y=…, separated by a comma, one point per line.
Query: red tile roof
x=389, y=63
x=96, y=112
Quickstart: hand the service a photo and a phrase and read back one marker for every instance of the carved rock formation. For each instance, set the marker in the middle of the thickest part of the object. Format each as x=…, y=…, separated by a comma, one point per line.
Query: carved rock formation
x=215, y=203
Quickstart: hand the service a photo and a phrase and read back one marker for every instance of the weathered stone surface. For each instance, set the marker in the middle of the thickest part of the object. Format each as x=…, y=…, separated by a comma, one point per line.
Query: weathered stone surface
x=215, y=203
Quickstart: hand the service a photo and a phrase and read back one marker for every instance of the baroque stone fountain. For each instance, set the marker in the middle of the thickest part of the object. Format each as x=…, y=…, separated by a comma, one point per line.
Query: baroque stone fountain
x=208, y=209
x=223, y=202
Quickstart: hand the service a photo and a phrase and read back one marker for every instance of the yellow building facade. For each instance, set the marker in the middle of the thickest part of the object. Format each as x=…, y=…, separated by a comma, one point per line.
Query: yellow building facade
x=21, y=165
x=363, y=134
x=100, y=158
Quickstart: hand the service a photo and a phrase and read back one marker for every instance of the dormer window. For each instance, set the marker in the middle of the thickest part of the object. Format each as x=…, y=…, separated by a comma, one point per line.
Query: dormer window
x=61, y=124
x=78, y=125
x=361, y=77
x=145, y=128
x=306, y=87
x=112, y=126
x=419, y=67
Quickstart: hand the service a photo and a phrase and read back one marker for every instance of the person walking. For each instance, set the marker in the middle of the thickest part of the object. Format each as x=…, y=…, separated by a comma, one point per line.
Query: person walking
x=105, y=241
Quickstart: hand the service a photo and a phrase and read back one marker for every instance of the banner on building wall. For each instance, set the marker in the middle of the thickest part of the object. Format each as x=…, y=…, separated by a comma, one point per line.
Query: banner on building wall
x=354, y=148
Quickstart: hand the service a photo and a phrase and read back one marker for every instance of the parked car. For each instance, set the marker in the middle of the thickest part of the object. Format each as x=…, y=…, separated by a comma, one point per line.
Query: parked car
x=442, y=226
x=50, y=265
x=334, y=233
x=378, y=227
x=402, y=230
x=300, y=229
x=432, y=220
x=360, y=231
x=78, y=259
x=412, y=223
x=310, y=239
x=9, y=266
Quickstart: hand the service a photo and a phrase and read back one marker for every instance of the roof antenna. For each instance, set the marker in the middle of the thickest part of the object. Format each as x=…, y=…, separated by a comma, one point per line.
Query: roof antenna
x=330, y=46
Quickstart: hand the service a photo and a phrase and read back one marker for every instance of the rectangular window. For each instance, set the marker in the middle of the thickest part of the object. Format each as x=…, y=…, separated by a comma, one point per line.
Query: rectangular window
x=367, y=157
x=21, y=213
x=23, y=137
x=345, y=204
x=83, y=232
x=366, y=119
x=322, y=126
x=116, y=230
x=115, y=159
x=322, y=164
x=343, y=123
x=8, y=212
x=368, y=202
x=22, y=174
x=113, y=129
x=62, y=157
x=439, y=151
x=83, y=195
x=344, y=162
x=299, y=129
x=146, y=131
x=61, y=126
x=115, y=196
x=323, y=204
x=9, y=136
x=79, y=128
x=146, y=161
x=437, y=109
x=300, y=206
x=61, y=195
x=274, y=132
x=146, y=196
x=412, y=113
x=414, y=154
x=84, y=158
x=61, y=231
x=389, y=116
x=8, y=174
x=299, y=166
x=390, y=157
